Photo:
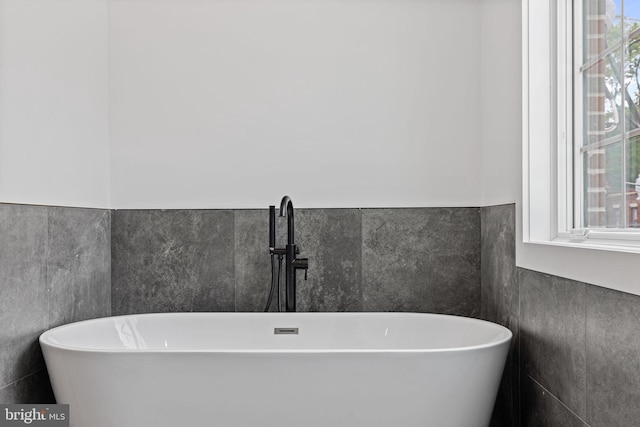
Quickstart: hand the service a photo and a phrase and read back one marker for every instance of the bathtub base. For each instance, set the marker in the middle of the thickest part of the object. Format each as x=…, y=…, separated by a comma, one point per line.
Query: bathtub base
x=281, y=390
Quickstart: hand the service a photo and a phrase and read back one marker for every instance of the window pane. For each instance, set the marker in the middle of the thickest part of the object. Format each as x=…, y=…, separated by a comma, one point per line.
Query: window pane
x=631, y=161
x=613, y=186
x=631, y=14
x=633, y=181
x=631, y=75
x=604, y=186
x=602, y=91
x=611, y=113
x=601, y=21
x=603, y=86
x=594, y=185
x=603, y=81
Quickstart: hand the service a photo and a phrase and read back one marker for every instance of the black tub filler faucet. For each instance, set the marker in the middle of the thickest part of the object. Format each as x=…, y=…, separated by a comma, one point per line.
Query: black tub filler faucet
x=290, y=252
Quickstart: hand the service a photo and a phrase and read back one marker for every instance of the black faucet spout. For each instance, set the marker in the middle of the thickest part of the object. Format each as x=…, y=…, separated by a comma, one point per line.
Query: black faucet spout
x=292, y=265
x=286, y=209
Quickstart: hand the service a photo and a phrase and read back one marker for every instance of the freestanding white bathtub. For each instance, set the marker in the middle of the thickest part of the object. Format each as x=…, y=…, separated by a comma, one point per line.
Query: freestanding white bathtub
x=290, y=370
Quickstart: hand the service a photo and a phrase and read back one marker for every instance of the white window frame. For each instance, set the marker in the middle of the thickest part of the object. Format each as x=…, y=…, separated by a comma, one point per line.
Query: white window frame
x=549, y=155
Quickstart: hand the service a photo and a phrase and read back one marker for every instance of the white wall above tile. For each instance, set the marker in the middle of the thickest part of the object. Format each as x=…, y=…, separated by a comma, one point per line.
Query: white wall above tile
x=501, y=101
x=204, y=104
x=54, y=123
x=338, y=103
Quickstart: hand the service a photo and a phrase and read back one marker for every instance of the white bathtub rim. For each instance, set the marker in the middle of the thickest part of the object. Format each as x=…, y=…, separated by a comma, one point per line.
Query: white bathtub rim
x=504, y=337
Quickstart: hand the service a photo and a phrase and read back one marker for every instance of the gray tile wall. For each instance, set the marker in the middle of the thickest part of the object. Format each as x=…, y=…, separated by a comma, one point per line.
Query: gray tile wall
x=174, y=260
x=422, y=259
x=576, y=357
x=59, y=265
x=55, y=268
x=500, y=301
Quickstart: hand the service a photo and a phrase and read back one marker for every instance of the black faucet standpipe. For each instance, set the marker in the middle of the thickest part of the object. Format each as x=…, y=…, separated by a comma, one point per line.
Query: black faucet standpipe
x=272, y=228
x=292, y=264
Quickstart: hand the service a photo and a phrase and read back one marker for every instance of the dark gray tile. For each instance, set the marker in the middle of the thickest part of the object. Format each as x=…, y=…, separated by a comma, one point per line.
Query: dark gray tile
x=541, y=409
x=533, y=403
x=332, y=240
x=34, y=388
x=499, y=294
x=79, y=264
x=552, y=335
x=6, y=394
x=252, y=269
x=175, y=260
x=23, y=291
x=422, y=260
x=506, y=411
x=613, y=358
x=499, y=273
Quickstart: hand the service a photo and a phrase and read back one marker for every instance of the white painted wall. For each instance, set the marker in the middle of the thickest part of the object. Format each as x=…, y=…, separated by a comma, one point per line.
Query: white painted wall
x=501, y=101
x=231, y=104
x=53, y=102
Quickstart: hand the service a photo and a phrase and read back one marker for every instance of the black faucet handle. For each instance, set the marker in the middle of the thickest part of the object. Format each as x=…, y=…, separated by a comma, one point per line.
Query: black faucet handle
x=301, y=264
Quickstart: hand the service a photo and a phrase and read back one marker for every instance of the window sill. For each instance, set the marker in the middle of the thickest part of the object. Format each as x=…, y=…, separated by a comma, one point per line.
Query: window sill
x=600, y=244
x=609, y=266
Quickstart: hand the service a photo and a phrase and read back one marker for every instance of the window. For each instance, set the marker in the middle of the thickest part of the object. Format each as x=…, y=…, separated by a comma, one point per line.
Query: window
x=582, y=122
x=607, y=113
x=558, y=237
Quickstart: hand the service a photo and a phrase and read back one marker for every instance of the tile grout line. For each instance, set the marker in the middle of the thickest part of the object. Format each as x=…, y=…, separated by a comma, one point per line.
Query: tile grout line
x=586, y=352
x=113, y=214
x=518, y=345
x=480, y=315
x=110, y=258
x=362, y=285
x=21, y=379
x=235, y=262
x=559, y=401
x=46, y=267
x=361, y=243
